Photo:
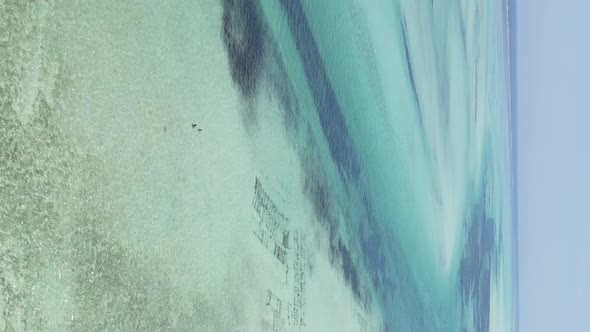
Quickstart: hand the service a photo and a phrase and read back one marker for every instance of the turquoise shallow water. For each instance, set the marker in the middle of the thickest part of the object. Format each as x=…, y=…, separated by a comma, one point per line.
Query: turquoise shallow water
x=416, y=108
x=255, y=165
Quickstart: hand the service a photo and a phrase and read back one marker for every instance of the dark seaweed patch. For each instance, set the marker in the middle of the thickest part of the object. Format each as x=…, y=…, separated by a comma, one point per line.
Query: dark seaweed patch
x=476, y=264
x=243, y=38
x=349, y=269
x=411, y=71
x=330, y=114
x=318, y=192
x=320, y=197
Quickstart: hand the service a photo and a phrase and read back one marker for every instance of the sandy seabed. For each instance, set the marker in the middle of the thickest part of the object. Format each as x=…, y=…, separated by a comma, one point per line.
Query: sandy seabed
x=133, y=193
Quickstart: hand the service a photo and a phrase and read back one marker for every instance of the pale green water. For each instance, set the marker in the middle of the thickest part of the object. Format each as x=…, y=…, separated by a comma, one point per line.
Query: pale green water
x=115, y=214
